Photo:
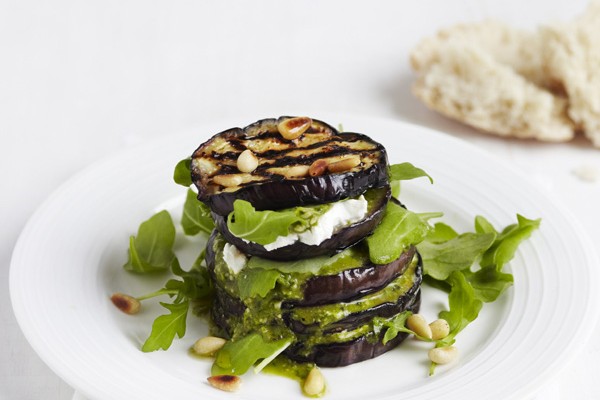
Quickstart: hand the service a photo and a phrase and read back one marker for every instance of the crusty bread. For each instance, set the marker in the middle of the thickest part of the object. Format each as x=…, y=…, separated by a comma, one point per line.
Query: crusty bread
x=517, y=48
x=466, y=83
x=572, y=60
x=542, y=84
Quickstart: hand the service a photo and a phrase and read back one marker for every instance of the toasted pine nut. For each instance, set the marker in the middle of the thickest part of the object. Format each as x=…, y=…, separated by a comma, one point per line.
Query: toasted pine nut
x=126, y=303
x=314, y=384
x=293, y=128
x=418, y=325
x=297, y=171
x=317, y=168
x=247, y=161
x=228, y=383
x=209, y=345
x=439, y=329
x=344, y=164
x=443, y=355
x=227, y=180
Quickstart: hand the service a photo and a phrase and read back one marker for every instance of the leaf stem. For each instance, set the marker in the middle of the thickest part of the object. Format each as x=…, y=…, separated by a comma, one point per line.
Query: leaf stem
x=157, y=293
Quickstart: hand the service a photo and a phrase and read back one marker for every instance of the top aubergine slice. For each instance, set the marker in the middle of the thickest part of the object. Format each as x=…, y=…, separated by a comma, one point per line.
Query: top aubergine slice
x=281, y=179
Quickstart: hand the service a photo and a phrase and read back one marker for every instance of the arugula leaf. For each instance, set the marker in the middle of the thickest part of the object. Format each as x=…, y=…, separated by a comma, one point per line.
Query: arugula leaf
x=352, y=257
x=464, y=307
x=406, y=171
x=167, y=326
x=441, y=233
x=442, y=258
x=196, y=216
x=488, y=283
x=395, y=187
x=504, y=248
x=482, y=225
x=399, y=229
x=236, y=357
x=392, y=326
x=195, y=283
x=182, y=174
x=152, y=249
x=263, y=227
x=256, y=281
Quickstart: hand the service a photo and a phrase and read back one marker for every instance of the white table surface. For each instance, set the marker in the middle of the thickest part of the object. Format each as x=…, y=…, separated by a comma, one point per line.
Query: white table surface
x=80, y=80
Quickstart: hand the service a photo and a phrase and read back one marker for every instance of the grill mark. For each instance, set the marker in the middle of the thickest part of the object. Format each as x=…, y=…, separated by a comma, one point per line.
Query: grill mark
x=330, y=147
x=307, y=160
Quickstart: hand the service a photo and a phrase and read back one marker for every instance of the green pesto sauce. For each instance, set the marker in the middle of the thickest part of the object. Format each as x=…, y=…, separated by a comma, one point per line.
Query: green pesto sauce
x=283, y=366
x=265, y=315
x=327, y=314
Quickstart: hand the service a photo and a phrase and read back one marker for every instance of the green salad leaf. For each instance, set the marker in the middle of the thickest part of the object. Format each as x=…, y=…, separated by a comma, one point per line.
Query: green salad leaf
x=166, y=327
x=504, y=248
x=196, y=216
x=237, y=356
x=182, y=174
x=398, y=230
x=151, y=250
x=263, y=227
x=442, y=258
x=193, y=286
x=406, y=171
x=257, y=282
x=488, y=283
x=464, y=307
x=393, y=326
x=441, y=233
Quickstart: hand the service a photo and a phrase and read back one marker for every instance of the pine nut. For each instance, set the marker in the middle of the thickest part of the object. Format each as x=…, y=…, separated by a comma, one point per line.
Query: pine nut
x=293, y=128
x=439, y=329
x=443, y=355
x=127, y=304
x=297, y=171
x=345, y=164
x=317, y=168
x=227, y=180
x=209, y=345
x=314, y=384
x=228, y=383
x=247, y=161
x=418, y=325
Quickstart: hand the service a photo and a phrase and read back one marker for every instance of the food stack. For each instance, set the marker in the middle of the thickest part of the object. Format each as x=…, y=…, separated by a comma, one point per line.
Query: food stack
x=293, y=200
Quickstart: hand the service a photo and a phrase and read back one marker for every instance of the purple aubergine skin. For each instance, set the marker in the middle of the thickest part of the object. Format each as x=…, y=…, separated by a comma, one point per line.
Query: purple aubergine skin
x=332, y=354
x=344, y=238
x=280, y=193
x=353, y=283
x=354, y=320
x=354, y=351
x=346, y=285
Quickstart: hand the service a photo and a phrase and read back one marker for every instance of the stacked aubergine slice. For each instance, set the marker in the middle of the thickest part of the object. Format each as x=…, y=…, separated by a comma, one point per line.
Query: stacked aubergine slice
x=293, y=200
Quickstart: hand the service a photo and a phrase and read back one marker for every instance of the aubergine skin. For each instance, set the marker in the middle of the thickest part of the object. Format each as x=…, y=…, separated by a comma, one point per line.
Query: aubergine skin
x=346, y=285
x=340, y=240
x=353, y=321
x=351, y=352
x=282, y=194
x=353, y=283
x=273, y=191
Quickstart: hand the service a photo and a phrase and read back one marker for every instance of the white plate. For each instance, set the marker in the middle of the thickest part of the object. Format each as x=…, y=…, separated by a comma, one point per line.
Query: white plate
x=68, y=261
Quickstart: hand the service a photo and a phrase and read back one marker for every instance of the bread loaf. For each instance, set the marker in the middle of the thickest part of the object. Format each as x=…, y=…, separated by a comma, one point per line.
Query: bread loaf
x=541, y=84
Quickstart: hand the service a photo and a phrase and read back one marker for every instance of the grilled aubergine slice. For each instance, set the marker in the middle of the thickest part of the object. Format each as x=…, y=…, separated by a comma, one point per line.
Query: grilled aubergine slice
x=339, y=354
x=347, y=280
x=332, y=336
x=342, y=238
x=318, y=166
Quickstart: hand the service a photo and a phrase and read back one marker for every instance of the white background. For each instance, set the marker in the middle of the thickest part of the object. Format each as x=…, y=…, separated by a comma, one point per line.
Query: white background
x=80, y=80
